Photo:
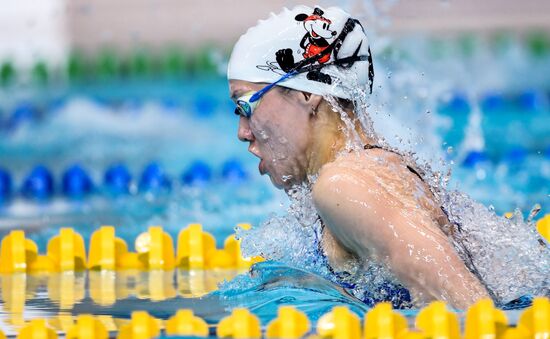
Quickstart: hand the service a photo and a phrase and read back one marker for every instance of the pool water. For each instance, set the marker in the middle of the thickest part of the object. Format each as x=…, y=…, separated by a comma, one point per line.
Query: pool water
x=200, y=131
x=177, y=140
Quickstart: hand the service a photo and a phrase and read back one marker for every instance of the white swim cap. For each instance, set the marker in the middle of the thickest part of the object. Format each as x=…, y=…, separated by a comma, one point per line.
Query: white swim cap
x=326, y=47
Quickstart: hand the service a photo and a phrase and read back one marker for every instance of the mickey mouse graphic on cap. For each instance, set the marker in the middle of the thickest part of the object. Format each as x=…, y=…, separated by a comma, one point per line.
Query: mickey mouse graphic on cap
x=314, y=42
x=318, y=31
x=320, y=47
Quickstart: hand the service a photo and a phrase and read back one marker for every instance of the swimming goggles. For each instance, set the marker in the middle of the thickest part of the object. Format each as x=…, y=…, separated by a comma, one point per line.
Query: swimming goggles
x=250, y=100
x=247, y=103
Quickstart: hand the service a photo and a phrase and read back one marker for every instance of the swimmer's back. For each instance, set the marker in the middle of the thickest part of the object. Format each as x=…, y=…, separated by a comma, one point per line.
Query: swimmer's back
x=377, y=207
x=388, y=171
x=385, y=171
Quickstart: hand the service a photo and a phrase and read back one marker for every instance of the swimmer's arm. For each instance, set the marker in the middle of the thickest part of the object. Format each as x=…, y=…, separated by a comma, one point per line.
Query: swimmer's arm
x=368, y=221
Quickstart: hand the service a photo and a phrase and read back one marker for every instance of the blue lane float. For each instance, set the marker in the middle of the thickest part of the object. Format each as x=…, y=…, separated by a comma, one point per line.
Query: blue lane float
x=117, y=179
x=233, y=170
x=5, y=186
x=516, y=155
x=76, y=183
x=199, y=173
x=492, y=102
x=474, y=158
x=458, y=104
x=205, y=106
x=22, y=113
x=531, y=100
x=39, y=184
x=154, y=179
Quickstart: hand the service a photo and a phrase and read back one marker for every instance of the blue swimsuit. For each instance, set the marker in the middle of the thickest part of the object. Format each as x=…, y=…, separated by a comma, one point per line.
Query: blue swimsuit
x=390, y=290
x=387, y=290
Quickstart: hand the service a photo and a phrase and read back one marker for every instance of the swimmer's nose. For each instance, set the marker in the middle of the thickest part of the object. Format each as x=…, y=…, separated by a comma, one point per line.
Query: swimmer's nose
x=244, y=133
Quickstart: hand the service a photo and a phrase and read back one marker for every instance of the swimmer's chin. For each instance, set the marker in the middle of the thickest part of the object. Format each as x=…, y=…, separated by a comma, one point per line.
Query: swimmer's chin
x=264, y=171
x=261, y=167
x=281, y=184
x=278, y=181
x=278, y=185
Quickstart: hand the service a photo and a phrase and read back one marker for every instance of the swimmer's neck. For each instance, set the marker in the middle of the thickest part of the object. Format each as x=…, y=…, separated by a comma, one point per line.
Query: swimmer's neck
x=330, y=136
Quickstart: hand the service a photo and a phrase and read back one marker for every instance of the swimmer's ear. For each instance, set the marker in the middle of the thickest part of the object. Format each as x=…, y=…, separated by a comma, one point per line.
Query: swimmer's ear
x=312, y=100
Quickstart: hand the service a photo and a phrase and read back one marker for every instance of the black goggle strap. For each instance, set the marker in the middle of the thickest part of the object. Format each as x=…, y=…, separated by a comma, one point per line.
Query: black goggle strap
x=348, y=27
x=306, y=64
x=346, y=62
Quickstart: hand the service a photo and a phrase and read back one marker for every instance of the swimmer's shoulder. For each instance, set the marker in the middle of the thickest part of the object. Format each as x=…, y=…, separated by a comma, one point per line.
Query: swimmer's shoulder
x=358, y=190
x=380, y=170
x=353, y=193
x=371, y=170
x=353, y=170
x=359, y=164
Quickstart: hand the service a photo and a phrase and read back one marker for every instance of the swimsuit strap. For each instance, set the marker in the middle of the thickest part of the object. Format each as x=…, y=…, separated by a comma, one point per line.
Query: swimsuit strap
x=458, y=226
x=395, y=293
x=467, y=256
x=415, y=172
x=321, y=254
x=368, y=146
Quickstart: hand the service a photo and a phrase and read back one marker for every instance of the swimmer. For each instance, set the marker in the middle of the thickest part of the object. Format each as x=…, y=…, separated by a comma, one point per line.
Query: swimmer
x=293, y=79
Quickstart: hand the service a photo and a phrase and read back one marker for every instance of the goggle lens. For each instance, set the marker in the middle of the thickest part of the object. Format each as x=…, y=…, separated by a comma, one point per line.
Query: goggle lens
x=244, y=106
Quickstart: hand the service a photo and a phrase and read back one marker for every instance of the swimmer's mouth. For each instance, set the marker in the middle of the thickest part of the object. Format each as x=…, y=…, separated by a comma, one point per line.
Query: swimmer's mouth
x=261, y=167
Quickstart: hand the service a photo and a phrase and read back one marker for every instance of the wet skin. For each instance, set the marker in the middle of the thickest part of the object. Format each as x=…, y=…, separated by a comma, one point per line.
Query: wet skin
x=373, y=206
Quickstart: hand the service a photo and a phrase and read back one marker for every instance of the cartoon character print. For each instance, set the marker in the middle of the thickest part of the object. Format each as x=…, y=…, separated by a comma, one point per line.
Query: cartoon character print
x=314, y=42
x=318, y=31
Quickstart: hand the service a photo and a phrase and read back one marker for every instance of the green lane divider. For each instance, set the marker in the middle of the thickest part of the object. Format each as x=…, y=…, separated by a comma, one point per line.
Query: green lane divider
x=7, y=73
x=172, y=61
x=538, y=44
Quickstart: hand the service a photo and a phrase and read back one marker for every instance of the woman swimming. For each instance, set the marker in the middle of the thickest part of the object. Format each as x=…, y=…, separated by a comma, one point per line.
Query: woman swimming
x=294, y=79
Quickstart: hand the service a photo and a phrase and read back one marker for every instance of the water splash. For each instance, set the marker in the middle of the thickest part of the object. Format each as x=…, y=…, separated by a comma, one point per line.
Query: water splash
x=473, y=138
x=506, y=255
x=294, y=239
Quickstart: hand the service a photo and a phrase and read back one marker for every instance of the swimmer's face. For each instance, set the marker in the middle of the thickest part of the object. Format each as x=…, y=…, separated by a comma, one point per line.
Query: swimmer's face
x=278, y=132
